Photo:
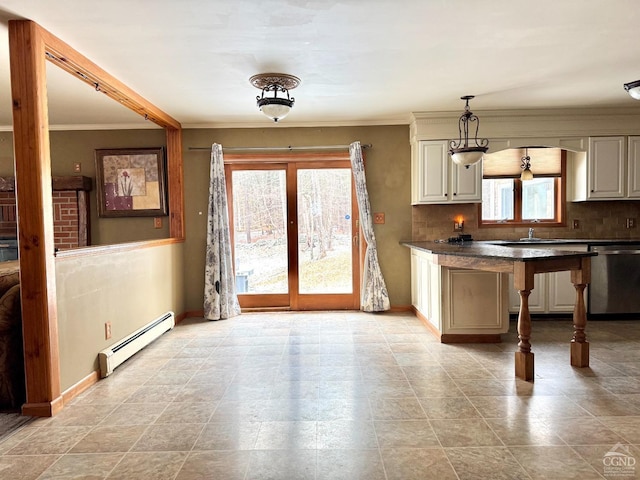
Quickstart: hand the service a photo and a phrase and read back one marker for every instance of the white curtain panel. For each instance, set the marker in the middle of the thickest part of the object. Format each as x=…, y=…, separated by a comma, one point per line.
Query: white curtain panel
x=373, y=291
x=220, y=299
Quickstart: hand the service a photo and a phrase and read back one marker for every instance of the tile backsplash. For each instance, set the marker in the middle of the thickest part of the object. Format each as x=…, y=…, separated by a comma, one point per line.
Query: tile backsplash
x=597, y=220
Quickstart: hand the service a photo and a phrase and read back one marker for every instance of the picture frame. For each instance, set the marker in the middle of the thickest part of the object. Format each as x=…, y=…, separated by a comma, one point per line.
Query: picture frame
x=131, y=182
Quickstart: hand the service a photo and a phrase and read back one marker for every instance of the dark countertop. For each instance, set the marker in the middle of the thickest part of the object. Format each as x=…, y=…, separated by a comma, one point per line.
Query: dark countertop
x=491, y=250
x=564, y=241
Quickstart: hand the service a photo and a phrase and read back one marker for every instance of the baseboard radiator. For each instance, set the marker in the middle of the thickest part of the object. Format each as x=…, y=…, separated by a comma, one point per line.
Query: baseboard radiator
x=117, y=353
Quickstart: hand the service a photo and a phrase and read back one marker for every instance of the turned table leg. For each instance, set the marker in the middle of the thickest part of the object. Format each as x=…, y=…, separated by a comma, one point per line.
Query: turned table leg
x=524, y=356
x=579, y=345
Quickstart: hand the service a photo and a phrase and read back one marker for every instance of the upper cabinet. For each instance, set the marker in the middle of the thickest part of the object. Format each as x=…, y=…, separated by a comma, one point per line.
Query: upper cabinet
x=609, y=171
x=436, y=179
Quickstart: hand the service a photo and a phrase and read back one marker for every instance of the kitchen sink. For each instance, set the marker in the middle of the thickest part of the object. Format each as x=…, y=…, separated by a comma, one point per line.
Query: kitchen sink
x=531, y=240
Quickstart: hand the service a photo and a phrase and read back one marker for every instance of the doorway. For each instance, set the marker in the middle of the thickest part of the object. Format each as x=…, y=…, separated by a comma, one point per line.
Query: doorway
x=294, y=231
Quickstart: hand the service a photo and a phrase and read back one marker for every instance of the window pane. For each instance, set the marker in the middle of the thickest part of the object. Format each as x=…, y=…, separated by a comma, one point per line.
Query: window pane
x=260, y=231
x=538, y=199
x=497, y=199
x=324, y=231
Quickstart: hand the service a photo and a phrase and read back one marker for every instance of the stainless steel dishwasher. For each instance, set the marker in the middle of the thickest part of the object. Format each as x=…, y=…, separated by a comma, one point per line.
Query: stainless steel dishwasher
x=615, y=279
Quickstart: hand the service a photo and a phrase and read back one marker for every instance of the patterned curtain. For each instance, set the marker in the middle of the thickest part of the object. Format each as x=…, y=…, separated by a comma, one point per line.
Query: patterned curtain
x=373, y=296
x=220, y=300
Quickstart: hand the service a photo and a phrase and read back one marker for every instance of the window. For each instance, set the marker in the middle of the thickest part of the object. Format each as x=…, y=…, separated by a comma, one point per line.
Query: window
x=507, y=200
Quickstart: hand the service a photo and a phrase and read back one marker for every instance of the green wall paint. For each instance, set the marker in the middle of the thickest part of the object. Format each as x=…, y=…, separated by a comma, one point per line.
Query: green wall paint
x=388, y=170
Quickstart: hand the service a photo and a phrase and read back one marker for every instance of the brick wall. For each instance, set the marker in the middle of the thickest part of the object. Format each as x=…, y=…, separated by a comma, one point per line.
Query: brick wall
x=7, y=214
x=65, y=217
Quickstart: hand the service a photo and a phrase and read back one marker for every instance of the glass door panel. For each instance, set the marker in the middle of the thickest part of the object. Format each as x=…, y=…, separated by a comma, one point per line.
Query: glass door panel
x=260, y=231
x=325, y=247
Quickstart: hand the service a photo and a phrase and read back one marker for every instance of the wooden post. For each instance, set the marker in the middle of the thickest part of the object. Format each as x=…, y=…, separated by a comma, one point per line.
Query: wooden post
x=35, y=218
x=579, y=345
x=523, y=277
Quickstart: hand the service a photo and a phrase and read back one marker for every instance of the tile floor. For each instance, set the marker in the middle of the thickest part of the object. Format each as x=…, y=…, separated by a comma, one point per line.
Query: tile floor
x=349, y=396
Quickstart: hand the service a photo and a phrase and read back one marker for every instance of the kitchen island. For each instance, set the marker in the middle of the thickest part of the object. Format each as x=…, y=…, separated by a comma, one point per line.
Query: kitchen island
x=523, y=263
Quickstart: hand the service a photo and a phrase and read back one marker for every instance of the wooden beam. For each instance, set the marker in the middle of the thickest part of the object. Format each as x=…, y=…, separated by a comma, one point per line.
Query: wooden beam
x=35, y=219
x=175, y=180
x=8, y=184
x=30, y=46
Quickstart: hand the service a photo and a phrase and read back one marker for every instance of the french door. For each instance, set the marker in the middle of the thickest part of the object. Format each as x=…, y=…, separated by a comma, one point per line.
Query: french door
x=294, y=231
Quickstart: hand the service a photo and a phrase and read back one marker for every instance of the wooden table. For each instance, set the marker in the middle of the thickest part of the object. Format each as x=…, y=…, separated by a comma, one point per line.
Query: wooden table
x=524, y=263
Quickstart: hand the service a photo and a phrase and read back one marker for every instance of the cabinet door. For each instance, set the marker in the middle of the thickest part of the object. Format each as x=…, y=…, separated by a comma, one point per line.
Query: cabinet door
x=537, y=297
x=606, y=168
x=562, y=293
x=633, y=188
x=466, y=183
x=432, y=172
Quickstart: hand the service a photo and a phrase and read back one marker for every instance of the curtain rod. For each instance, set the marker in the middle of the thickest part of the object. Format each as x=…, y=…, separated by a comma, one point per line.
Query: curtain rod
x=288, y=148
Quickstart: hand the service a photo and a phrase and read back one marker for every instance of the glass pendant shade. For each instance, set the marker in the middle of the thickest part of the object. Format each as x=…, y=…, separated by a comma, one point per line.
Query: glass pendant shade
x=467, y=158
x=633, y=89
x=275, y=111
x=526, y=174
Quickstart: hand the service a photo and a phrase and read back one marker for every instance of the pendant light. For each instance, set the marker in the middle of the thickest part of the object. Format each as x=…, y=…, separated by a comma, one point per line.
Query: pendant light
x=461, y=152
x=633, y=89
x=273, y=106
x=526, y=174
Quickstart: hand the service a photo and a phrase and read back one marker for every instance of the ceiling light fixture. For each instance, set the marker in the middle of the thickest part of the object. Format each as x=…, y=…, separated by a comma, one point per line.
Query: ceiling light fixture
x=526, y=174
x=461, y=152
x=273, y=106
x=633, y=89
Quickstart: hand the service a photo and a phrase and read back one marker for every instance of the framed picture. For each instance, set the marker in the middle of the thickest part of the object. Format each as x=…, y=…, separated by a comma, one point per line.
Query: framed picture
x=131, y=182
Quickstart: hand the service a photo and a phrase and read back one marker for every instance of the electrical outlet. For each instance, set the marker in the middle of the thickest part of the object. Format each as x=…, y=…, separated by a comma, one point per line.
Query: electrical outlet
x=631, y=222
x=576, y=224
x=77, y=167
x=107, y=330
x=458, y=226
x=157, y=222
x=378, y=218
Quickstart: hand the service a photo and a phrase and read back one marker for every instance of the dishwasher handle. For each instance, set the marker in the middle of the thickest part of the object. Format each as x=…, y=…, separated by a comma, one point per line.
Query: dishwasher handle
x=617, y=252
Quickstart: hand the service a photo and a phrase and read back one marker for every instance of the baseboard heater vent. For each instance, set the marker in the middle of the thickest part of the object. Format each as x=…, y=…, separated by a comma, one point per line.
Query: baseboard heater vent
x=117, y=353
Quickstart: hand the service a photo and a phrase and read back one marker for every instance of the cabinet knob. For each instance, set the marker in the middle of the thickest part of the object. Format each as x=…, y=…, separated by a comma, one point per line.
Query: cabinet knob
x=455, y=193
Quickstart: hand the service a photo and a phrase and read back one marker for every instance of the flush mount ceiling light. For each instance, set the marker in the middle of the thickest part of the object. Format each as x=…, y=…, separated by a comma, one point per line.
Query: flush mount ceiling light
x=526, y=174
x=271, y=84
x=633, y=89
x=461, y=152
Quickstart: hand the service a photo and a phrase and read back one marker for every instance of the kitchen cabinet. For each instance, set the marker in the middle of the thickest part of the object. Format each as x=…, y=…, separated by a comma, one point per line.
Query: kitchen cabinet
x=609, y=171
x=553, y=292
x=436, y=179
x=633, y=153
x=458, y=303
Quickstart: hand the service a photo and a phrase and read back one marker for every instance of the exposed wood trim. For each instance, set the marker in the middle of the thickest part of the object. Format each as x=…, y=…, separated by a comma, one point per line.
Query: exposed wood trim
x=67, y=58
x=97, y=250
x=44, y=409
x=74, y=390
x=79, y=183
x=470, y=338
x=175, y=183
x=29, y=46
x=36, y=240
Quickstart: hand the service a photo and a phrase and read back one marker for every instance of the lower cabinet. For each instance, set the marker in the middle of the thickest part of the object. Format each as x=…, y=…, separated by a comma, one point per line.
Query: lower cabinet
x=459, y=304
x=552, y=292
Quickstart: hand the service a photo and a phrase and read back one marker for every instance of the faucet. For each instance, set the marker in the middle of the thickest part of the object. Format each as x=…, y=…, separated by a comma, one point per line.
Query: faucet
x=530, y=233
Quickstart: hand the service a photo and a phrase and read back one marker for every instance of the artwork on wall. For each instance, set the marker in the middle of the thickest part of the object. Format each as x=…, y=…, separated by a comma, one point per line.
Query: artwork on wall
x=131, y=182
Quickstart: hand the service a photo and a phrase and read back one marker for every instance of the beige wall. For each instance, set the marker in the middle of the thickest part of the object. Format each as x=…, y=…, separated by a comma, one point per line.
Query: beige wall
x=128, y=289
x=70, y=147
x=388, y=178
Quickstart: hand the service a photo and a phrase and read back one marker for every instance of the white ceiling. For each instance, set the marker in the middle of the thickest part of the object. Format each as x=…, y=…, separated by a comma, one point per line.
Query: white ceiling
x=360, y=61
